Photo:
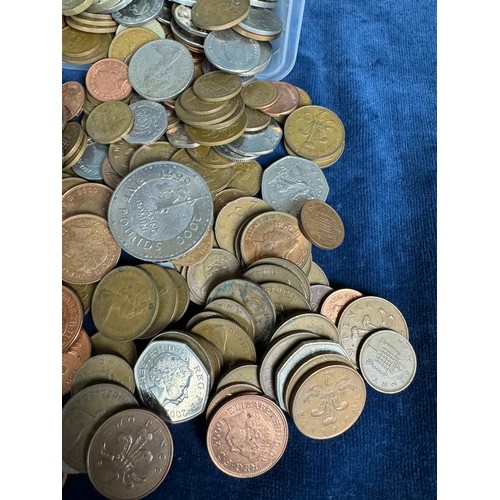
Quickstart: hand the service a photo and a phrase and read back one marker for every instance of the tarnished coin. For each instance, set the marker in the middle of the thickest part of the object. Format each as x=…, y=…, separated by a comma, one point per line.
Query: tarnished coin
x=199, y=253
x=69, y=182
x=109, y=175
x=145, y=444
x=328, y=401
x=217, y=86
x=138, y=12
x=88, y=166
x=286, y=299
x=365, y=315
x=222, y=198
x=235, y=312
x=256, y=120
x=160, y=211
x=72, y=359
x=125, y=303
x=73, y=98
x=72, y=317
x=387, y=361
x=193, y=104
x=242, y=372
x=206, y=154
x=101, y=369
x=153, y=26
x=88, y=198
x=230, y=390
x=247, y=436
x=287, y=102
x=232, y=106
x=317, y=276
x=109, y=122
x=247, y=177
x=309, y=322
x=288, y=183
x=150, y=122
x=125, y=44
x=161, y=70
x=107, y=80
x=334, y=304
x=262, y=22
x=85, y=293
x=126, y=349
x=259, y=94
x=218, y=137
x=72, y=137
x=321, y=225
x=120, y=155
x=89, y=250
x=258, y=143
x=318, y=295
x=219, y=14
x=182, y=291
x=157, y=151
x=274, y=234
x=84, y=413
x=172, y=380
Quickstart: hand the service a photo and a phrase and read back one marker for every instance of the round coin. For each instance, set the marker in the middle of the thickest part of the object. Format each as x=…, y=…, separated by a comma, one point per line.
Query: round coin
x=287, y=101
x=219, y=14
x=126, y=349
x=321, y=225
x=107, y=80
x=309, y=322
x=78, y=352
x=109, y=122
x=148, y=153
x=87, y=198
x=72, y=317
x=259, y=94
x=217, y=86
x=334, y=304
x=150, y=122
x=73, y=98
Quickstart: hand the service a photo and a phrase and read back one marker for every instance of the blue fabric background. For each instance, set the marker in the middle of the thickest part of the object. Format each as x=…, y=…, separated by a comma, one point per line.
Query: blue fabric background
x=374, y=64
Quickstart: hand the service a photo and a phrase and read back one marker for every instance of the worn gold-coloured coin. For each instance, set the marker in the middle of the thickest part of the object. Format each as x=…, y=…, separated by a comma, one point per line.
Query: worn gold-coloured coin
x=126, y=349
x=307, y=322
x=206, y=154
x=256, y=120
x=120, y=154
x=85, y=292
x=321, y=225
x=259, y=94
x=235, y=312
x=229, y=108
x=317, y=276
x=74, y=159
x=228, y=391
x=68, y=182
x=240, y=372
x=222, y=198
x=304, y=98
x=199, y=253
x=182, y=291
x=218, y=137
x=286, y=299
x=217, y=86
x=125, y=44
x=110, y=121
x=334, y=304
x=247, y=177
x=219, y=14
x=193, y=104
x=72, y=138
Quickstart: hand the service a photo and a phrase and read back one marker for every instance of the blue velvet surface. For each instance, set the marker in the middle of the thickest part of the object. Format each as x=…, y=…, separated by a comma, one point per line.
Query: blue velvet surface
x=374, y=64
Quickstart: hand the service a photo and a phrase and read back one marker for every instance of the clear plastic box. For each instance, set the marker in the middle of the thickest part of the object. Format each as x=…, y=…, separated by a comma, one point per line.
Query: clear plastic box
x=284, y=48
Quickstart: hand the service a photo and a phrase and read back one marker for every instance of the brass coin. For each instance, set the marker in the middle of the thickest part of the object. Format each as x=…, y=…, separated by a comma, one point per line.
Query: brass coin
x=224, y=113
x=317, y=276
x=213, y=353
x=219, y=14
x=241, y=372
x=222, y=198
x=79, y=153
x=217, y=86
x=87, y=198
x=125, y=349
x=70, y=182
x=321, y=225
x=308, y=322
x=89, y=250
x=85, y=293
x=304, y=98
x=239, y=111
x=101, y=369
x=330, y=160
x=259, y=94
x=205, y=154
x=193, y=104
x=234, y=311
x=72, y=359
x=110, y=121
x=334, y=304
x=84, y=413
x=313, y=397
x=256, y=120
x=274, y=234
x=286, y=299
x=254, y=36
x=167, y=301
x=147, y=153
x=126, y=43
x=231, y=340
x=120, y=155
x=76, y=24
x=72, y=138
x=202, y=315
x=199, y=253
x=314, y=132
x=218, y=137
x=287, y=102
x=76, y=43
x=182, y=291
x=72, y=7
x=247, y=177
x=125, y=303
x=226, y=392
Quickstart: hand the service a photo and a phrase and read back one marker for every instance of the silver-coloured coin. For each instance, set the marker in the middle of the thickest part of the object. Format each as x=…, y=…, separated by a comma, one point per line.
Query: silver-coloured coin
x=266, y=53
x=208, y=67
x=185, y=36
x=318, y=294
x=160, y=211
x=89, y=165
x=161, y=70
x=365, y=315
x=387, y=361
x=182, y=15
x=138, y=12
x=153, y=26
x=178, y=138
x=187, y=3
x=258, y=143
x=231, y=52
x=172, y=380
x=309, y=322
x=150, y=122
x=291, y=181
x=263, y=4
x=165, y=15
x=262, y=22
x=231, y=155
x=254, y=299
x=107, y=6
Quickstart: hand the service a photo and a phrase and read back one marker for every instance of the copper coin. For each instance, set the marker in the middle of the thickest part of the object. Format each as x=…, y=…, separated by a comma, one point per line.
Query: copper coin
x=247, y=436
x=130, y=455
x=334, y=304
x=327, y=401
x=109, y=175
x=73, y=97
x=72, y=138
x=89, y=250
x=107, y=80
x=226, y=392
x=288, y=100
x=72, y=316
x=77, y=354
x=87, y=198
x=321, y=225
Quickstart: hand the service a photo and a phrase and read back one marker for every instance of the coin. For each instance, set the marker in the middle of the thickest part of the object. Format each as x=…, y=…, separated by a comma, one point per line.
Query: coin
x=72, y=7
x=219, y=14
x=328, y=401
x=85, y=293
x=259, y=94
x=222, y=198
x=247, y=177
x=193, y=104
x=256, y=120
x=217, y=86
x=126, y=44
x=89, y=164
x=138, y=12
x=120, y=155
x=144, y=442
x=125, y=303
x=78, y=352
x=387, y=361
x=178, y=138
x=258, y=143
x=304, y=98
x=172, y=380
x=87, y=198
x=84, y=413
x=262, y=22
x=242, y=372
x=70, y=182
x=236, y=312
x=147, y=153
x=182, y=15
x=160, y=211
x=364, y=315
x=107, y=80
x=89, y=250
x=126, y=349
x=321, y=225
x=199, y=253
x=205, y=154
x=218, y=137
x=335, y=303
x=72, y=138
x=109, y=175
x=309, y=322
x=318, y=295
x=110, y=121
x=288, y=183
x=317, y=276
x=153, y=26
x=182, y=291
x=72, y=317
x=247, y=436
x=287, y=102
x=101, y=369
x=286, y=299
x=230, y=390
x=73, y=98
x=150, y=122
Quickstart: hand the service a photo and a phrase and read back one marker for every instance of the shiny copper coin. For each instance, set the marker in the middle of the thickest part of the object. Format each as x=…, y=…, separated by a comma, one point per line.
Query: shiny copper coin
x=247, y=436
x=85, y=293
x=89, y=250
x=73, y=97
x=145, y=447
x=287, y=102
x=321, y=225
x=72, y=317
x=107, y=80
x=334, y=304
x=73, y=358
x=88, y=198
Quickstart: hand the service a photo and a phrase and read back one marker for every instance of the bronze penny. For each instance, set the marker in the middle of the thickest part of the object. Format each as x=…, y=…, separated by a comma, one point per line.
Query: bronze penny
x=334, y=304
x=120, y=155
x=72, y=317
x=76, y=355
x=247, y=436
x=107, y=80
x=73, y=97
x=89, y=250
x=109, y=175
x=145, y=447
x=327, y=401
x=287, y=101
x=274, y=234
x=321, y=225
x=88, y=198
x=222, y=198
x=226, y=392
